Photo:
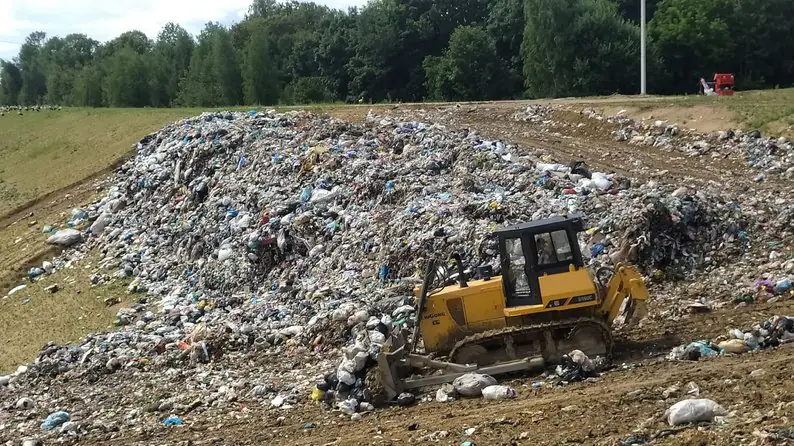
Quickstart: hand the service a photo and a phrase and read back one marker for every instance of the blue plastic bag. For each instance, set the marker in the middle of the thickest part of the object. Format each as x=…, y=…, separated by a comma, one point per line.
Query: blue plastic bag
x=306, y=195
x=173, y=420
x=783, y=285
x=54, y=420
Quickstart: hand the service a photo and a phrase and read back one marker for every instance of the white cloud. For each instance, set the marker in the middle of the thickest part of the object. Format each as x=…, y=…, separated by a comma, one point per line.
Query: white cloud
x=103, y=20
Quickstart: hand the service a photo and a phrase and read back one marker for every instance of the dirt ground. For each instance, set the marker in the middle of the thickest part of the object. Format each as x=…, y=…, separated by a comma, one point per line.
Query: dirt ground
x=702, y=118
x=623, y=401
x=627, y=400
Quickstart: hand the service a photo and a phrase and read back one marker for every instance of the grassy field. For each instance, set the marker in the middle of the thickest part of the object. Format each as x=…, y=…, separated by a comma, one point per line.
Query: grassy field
x=770, y=111
x=41, y=152
x=32, y=317
x=43, y=155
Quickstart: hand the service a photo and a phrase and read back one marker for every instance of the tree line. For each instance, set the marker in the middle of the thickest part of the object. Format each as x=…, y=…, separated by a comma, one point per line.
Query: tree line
x=412, y=50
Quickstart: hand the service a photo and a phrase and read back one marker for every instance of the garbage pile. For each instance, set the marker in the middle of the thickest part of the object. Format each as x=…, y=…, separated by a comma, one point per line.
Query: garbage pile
x=770, y=154
x=576, y=366
x=314, y=210
x=290, y=235
x=674, y=234
x=536, y=114
x=771, y=212
x=773, y=332
x=767, y=290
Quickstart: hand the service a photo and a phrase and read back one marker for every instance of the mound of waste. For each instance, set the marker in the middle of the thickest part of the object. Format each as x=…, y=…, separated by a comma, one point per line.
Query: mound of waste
x=290, y=235
x=773, y=155
x=773, y=332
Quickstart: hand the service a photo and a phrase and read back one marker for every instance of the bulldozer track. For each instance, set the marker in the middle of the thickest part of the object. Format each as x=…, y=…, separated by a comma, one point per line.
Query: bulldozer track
x=571, y=324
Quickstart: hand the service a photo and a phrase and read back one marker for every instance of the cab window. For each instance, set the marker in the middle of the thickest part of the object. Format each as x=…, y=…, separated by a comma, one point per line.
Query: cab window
x=553, y=247
x=516, y=273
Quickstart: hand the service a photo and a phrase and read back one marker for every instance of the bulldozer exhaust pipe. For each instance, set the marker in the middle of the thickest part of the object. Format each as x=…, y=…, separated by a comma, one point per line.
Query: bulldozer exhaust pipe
x=461, y=274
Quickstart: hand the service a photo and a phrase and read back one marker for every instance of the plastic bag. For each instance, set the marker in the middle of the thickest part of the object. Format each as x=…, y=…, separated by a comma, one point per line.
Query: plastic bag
x=173, y=420
x=65, y=237
x=224, y=254
x=317, y=394
x=445, y=393
x=733, y=346
x=348, y=406
x=472, y=384
x=580, y=358
x=543, y=167
x=360, y=360
x=600, y=181
x=495, y=393
x=54, y=420
x=690, y=411
x=100, y=224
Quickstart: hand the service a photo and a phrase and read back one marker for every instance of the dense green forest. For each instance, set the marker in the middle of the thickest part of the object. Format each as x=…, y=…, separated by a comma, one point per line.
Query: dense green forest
x=412, y=50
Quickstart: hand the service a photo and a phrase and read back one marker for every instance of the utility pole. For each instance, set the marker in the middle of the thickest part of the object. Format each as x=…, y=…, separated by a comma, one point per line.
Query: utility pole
x=643, y=79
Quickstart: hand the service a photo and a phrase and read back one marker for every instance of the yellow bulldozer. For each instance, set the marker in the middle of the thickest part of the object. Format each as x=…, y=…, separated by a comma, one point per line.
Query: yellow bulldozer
x=544, y=304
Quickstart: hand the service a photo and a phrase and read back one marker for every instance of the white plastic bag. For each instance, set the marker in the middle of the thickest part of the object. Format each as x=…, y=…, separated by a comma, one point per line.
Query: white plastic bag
x=472, y=384
x=346, y=377
x=689, y=411
x=495, y=393
x=295, y=330
x=601, y=181
x=543, y=167
x=65, y=237
x=100, y=224
x=360, y=360
x=224, y=253
x=580, y=358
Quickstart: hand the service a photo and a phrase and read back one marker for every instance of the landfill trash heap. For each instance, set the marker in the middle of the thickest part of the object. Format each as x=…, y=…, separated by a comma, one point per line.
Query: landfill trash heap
x=773, y=332
x=773, y=155
x=293, y=235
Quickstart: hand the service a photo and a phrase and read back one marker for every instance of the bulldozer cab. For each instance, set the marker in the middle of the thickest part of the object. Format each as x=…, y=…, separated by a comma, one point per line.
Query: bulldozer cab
x=534, y=249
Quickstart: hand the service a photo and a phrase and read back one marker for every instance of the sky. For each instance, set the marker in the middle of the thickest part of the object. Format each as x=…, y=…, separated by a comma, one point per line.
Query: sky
x=104, y=20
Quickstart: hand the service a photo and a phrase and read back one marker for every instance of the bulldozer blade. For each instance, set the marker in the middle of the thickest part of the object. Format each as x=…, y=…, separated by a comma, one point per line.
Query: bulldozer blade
x=535, y=363
x=635, y=312
x=387, y=373
x=388, y=362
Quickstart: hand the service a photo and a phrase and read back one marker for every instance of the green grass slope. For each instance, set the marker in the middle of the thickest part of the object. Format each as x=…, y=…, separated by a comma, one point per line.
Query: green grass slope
x=41, y=152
